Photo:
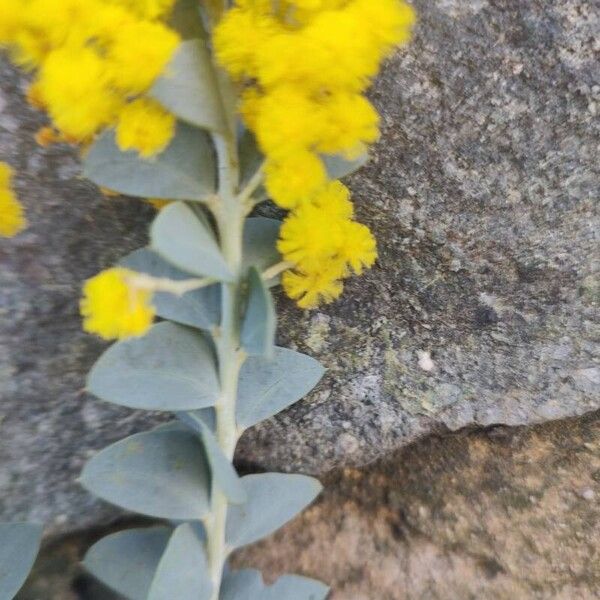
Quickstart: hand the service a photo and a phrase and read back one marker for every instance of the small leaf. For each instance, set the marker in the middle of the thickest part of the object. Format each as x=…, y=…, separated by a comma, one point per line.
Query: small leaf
x=186, y=170
x=183, y=570
x=171, y=368
x=260, y=243
x=194, y=418
x=339, y=167
x=158, y=473
x=223, y=473
x=258, y=326
x=242, y=585
x=251, y=158
x=19, y=545
x=266, y=387
x=189, y=89
x=248, y=585
x=184, y=240
x=294, y=587
x=127, y=561
x=199, y=308
x=273, y=499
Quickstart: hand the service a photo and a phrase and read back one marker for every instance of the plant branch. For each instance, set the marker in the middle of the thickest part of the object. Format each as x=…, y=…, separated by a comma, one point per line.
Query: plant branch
x=276, y=269
x=252, y=185
x=162, y=284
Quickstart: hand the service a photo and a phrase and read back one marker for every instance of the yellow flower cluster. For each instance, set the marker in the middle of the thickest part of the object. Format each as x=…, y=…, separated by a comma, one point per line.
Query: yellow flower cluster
x=12, y=220
x=113, y=308
x=304, y=66
x=93, y=59
x=307, y=64
x=325, y=245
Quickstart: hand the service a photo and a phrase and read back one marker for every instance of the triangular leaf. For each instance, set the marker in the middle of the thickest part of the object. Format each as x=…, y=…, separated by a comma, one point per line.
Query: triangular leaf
x=194, y=419
x=266, y=387
x=199, y=308
x=171, y=368
x=188, y=88
x=339, y=167
x=222, y=471
x=19, y=545
x=260, y=243
x=258, y=326
x=251, y=158
x=184, y=240
x=273, y=499
x=294, y=587
x=183, y=570
x=248, y=585
x=159, y=473
x=186, y=170
x=127, y=561
x=242, y=585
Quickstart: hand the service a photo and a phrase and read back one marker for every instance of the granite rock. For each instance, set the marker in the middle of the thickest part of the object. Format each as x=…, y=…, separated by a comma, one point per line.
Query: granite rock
x=482, y=309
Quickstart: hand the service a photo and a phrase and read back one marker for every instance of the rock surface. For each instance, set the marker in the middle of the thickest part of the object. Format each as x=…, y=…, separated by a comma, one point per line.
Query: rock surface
x=483, y=308
x=501, y=515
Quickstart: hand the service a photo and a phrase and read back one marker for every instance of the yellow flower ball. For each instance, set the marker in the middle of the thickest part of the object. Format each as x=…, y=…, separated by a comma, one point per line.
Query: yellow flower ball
x=139, y=54
x=288, y=118
x=114, y=309
x=292, y=179
x=359, y=248
x=73, y=85
x=144, y=125
x=312, y=288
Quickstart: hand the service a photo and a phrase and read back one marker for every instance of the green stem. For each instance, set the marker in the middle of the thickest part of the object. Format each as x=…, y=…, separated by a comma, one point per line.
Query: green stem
x=229, y=214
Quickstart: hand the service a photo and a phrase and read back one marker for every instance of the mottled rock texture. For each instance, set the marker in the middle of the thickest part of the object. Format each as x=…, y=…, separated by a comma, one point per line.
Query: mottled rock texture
x=507, y=514
x=482, y=309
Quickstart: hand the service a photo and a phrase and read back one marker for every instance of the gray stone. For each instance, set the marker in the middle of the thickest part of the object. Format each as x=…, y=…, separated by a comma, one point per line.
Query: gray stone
x=483, y=194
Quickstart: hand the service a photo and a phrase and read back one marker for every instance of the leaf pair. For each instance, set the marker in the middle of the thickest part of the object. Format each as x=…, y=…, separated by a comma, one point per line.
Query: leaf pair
x=158, y=563
x=155, y=563
x=167, y=474
x=173, y=368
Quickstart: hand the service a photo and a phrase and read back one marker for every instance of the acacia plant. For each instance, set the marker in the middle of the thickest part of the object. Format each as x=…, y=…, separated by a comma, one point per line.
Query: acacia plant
x=207, y=108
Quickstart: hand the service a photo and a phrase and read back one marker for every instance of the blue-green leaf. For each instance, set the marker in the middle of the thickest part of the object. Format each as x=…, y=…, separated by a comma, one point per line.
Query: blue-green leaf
x=19, y=545
x=188, y=88
x=294, y=587
x=242, y=585
x=199, y=308
x=258, y=326
x=251, y=158
x=186, y=170
x=222, y=471
x=159, y=473
x=171, y=368
x=127, y=561
x=182, y=573
x=260, y=243
x=183, y=239
x=248, y=585
x=196, y=418
x=273, y=499
x=338, y=167
x=268, y=386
